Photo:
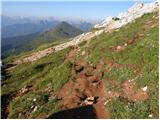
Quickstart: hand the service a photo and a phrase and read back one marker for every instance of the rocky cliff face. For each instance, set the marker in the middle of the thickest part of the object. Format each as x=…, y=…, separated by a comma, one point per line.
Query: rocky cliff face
x=136, y=11
x=110, y=23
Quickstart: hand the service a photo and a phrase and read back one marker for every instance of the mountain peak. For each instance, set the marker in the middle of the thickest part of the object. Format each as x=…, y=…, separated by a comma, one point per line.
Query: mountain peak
x=66, y=27
x=64, y=24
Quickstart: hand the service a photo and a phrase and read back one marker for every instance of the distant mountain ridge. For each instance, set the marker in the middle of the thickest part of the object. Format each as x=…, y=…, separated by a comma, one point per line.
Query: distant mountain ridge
x=29, y=42
x=27, y=28
x=19, y=26
x=83, y=25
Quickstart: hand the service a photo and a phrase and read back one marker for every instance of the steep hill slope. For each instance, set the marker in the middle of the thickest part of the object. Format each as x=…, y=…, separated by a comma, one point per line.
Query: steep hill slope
x=113, y=75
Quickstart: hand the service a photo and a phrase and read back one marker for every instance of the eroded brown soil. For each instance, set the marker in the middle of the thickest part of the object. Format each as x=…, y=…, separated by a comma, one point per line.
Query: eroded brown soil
x=87, y=87
x=132, y=94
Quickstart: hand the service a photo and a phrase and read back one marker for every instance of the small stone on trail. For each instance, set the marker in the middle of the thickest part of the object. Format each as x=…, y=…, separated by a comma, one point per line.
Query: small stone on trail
x=83, y=53
x=32, y=106
x=35, y=109
x=105, y=103
x=34, y=99
x=89, y=100
x=145, y=88
x=150, y=116
x=130, y=80
x=125, y=44
x=119, y=47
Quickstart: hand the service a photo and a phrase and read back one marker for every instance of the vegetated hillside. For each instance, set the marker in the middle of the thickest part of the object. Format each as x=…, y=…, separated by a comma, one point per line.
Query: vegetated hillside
x=115, y=75
x=63, y=30
x=16, y=44
x=21, y=44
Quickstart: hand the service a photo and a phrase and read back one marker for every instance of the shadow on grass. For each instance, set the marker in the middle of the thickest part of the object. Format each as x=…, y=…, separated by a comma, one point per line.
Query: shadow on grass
x=84, y=112
x=5, y=99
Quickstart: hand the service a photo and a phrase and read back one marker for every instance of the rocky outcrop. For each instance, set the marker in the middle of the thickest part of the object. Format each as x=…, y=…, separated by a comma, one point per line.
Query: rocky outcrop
x=106, y=22
x=75, y=41
x=136, y=11
x=110, y=23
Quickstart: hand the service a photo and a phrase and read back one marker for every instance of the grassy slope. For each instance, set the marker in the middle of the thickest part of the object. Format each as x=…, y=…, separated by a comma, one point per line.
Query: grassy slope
x=143, y=54
x=22, y=55
x=49, y=70
x=54, y=72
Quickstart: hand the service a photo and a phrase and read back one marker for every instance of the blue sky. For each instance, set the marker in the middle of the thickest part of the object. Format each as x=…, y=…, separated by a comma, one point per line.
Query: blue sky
x=90, y=11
